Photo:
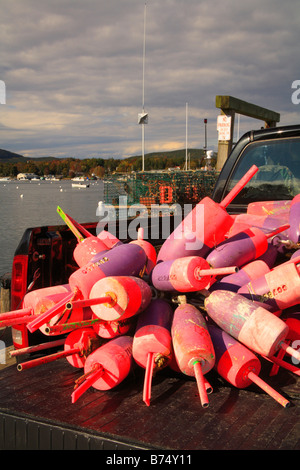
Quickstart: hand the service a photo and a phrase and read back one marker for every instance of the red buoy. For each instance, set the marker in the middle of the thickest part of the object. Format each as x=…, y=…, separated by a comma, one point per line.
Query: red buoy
x=111, y=329
x=192, y=346
x=106, y=367
x=152, y=342
x=130, y=295
x=238, y=365
x=204, y=227
x=255, y=327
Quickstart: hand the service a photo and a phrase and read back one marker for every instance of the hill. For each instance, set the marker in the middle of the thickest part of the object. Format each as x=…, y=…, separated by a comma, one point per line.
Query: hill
x=10, y=157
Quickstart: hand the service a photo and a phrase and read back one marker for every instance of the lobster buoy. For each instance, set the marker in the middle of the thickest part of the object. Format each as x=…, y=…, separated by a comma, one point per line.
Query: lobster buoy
x=129, y=296
x=238, y=365
x=192, y=345
x=111, y=329
x=148, y=248
x=107, y=366
x=186, y=274
x=242, y=248
x=77, y=346
x=152, y=342
x=255, y=327
x=245, y=274
x=276, y=290
x=203, y=228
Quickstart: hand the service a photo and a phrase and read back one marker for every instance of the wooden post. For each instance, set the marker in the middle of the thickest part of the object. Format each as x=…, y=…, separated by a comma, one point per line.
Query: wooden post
x=229, y=106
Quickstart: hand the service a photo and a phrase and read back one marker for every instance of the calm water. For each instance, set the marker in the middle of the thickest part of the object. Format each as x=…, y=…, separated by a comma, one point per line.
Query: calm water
x=29, y=204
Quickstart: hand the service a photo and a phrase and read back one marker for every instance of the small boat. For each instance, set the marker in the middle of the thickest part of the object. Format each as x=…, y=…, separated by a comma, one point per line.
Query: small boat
x=80, y=185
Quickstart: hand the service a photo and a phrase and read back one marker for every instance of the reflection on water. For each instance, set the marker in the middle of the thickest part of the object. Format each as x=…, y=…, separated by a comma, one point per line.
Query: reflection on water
x=26, y=204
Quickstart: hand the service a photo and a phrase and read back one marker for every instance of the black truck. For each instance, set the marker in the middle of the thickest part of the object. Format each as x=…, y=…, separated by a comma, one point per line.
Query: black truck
x=35, y=405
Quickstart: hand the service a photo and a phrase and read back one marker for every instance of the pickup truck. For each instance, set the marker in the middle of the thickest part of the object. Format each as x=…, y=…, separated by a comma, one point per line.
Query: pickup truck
x=35, y=405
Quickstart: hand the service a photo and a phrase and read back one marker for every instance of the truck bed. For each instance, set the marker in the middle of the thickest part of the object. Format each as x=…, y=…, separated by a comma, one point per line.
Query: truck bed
x=36, y=413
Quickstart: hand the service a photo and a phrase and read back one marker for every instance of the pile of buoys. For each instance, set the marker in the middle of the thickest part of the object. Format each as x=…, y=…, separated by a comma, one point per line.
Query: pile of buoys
x=131, y=305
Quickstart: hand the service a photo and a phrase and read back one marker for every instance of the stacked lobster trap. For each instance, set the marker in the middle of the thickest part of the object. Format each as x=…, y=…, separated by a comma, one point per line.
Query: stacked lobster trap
x=212, y=297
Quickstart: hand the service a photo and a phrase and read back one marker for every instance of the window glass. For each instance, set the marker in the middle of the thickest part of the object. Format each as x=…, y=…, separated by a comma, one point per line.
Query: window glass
x=278, y=177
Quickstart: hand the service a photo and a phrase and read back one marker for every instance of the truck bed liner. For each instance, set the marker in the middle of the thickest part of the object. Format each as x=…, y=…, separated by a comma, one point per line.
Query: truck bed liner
x=36, y=413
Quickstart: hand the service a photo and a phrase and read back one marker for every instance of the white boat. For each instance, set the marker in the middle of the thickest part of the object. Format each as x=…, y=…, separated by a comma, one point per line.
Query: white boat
x=80, y=185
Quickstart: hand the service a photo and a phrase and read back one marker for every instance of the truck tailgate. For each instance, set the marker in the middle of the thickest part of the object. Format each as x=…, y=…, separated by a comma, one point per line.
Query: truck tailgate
x=36, y=413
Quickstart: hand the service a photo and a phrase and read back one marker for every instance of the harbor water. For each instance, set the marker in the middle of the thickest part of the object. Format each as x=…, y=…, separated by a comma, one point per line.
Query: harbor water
x=26, y=204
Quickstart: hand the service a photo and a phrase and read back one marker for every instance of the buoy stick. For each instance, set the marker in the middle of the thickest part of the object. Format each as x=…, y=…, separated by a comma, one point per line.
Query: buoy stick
x=239, y=186
x=94, y=374
x=47, y=359
x=88, y=302
x=71, y=226
x=85, y=232
x=217, y=271
x=17, y=321
x=16, y=313
x=201, y=384
x=275, y=367
x=38, y=347
x=268, y=389
x=46, y=317
x=278, y=361
x=278, y=230
x=62, y=327
x=148, y=378
x=289, y=350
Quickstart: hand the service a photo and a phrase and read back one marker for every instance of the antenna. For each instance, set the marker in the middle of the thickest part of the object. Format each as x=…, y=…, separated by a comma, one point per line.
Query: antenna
x=143, y=117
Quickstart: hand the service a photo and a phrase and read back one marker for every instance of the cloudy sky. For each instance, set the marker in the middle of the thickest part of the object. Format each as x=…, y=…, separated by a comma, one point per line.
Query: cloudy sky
x=73, y=71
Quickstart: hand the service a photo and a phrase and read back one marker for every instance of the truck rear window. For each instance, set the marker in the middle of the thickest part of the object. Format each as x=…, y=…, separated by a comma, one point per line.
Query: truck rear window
x=279, y=171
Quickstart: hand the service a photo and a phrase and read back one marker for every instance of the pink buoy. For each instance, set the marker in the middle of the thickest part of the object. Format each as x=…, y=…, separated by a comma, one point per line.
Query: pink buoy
x=129, y=296
x=148, y=248
x=106, y=367
x=238, y=365
x=187, y=274
x=192, y=346
x=276, y=290
x=204, y=227
x=255, y=327
x=267, y=223
x=152, y=342
x=272, y=208
x=88, y=245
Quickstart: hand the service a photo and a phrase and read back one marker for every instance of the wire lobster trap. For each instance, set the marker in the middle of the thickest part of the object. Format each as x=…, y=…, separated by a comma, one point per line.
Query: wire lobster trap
x=147, y=188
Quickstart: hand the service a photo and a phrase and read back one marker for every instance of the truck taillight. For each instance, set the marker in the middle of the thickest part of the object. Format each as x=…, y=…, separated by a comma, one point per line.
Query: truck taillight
x=18, y=290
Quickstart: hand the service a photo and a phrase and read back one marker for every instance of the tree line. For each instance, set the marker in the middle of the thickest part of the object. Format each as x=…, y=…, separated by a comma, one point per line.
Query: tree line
x=100, y=167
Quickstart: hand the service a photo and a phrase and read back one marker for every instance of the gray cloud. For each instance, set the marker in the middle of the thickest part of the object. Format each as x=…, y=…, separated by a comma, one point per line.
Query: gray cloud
x=73, y=71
